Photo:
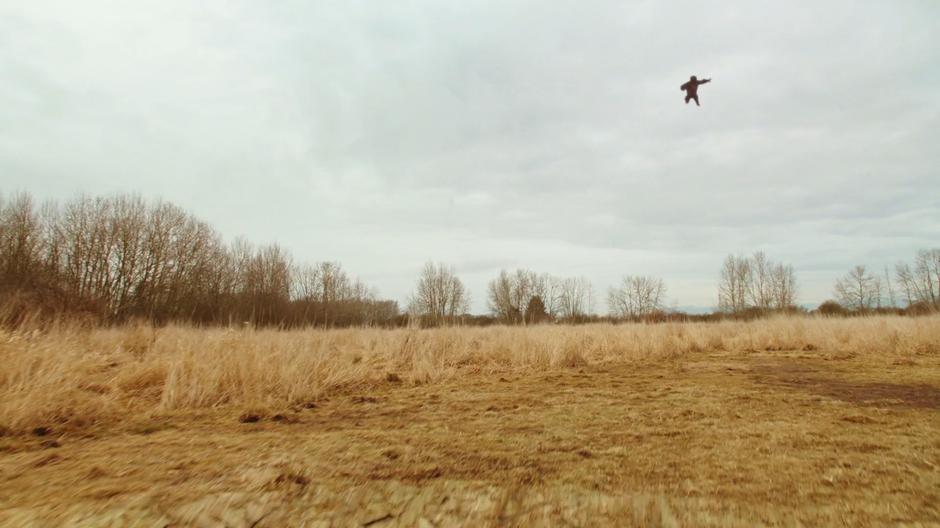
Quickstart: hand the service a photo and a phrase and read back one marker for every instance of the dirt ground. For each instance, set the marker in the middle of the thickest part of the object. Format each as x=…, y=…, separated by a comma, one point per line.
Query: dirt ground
x=769, y=438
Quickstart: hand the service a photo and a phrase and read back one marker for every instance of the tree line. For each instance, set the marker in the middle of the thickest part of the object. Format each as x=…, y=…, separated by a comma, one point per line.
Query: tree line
x=915, y=287
x=526, y=297
x=115, y=259
x=121, y=258
x=756, y=283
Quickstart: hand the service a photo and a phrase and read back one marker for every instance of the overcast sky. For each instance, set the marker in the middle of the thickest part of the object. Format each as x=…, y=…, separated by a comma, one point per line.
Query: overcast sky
x=495, y=134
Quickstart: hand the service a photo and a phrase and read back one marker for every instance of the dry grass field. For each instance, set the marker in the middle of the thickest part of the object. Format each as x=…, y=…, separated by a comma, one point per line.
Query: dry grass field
x=776, y=422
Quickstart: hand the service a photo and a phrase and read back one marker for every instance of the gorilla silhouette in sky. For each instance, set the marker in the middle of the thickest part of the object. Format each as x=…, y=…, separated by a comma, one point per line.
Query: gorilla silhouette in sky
x=691, y=89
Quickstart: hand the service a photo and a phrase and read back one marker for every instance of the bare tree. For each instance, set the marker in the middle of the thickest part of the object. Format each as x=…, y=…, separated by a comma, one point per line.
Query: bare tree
x=128, y=222
x=921, y=282
x=755, y=282
x=305, y=283
x=334, y=284
x=509, y=295
x=548, y=289
x=758, y=281
x=20, y=240
x=523, y=290
x=783, y=289
x=927, y=264
x=858, y=290
x=439, y=297
x=636, y=297
x=889, y=289
x=575, y=297
x=500, y=298
x=324, y=294
x=733, y=284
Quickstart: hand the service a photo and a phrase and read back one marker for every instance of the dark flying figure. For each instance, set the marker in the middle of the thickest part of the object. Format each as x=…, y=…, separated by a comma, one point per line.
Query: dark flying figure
x=691, y=89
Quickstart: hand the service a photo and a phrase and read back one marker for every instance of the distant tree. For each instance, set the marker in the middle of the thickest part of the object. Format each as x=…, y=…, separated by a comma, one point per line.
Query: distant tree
x=501, y=298
x=892, y=300
x=733, y=285
x=21, y=241
x=858, y=290
x=831, y=308
x=439, y=297
x=548, y=288
x=535, y=312
x=575, y=298
x=636, y=297
x=324, y=294
x=783, y=287
x=758, y=281
x=509, y=294
x=920, y=283
x=755, y=284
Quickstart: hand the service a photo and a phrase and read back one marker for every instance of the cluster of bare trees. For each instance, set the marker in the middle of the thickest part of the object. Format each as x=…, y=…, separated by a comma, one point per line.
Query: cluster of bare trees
x=526, y=297
x=859, y=290
x=916, y=286
x=755, y=282
x=920, y=283
x=576, y=298
x=636, y=297
x=440, y=297
x=522, y=297
x=326, y=295
x=122, y=257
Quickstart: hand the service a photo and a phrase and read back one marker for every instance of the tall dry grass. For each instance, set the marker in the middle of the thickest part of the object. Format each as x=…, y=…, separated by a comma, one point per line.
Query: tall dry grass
x=73, y=377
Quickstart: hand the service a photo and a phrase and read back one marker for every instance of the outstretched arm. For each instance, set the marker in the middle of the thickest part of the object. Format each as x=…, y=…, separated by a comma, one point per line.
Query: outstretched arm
x=703, y=81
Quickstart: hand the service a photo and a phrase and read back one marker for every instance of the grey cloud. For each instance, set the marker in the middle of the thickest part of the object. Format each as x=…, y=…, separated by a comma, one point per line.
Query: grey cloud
x=494, y=134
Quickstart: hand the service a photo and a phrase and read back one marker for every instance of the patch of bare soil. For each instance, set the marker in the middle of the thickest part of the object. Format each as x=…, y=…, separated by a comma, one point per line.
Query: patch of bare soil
x=729, y=440
x=818, y=380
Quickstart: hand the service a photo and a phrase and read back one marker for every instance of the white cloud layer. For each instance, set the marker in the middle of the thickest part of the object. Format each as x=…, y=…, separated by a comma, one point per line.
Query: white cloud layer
x=489, y=134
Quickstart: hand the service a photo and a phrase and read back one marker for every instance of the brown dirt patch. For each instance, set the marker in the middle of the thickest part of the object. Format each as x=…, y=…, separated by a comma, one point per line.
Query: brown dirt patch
x=807, y=377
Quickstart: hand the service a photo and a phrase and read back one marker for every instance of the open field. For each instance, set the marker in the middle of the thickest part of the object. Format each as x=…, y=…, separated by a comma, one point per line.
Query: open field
x=781, y=421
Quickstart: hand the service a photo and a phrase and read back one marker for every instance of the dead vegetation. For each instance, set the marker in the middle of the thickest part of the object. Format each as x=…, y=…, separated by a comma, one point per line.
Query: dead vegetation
x=782, y=421
x=68, y=377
